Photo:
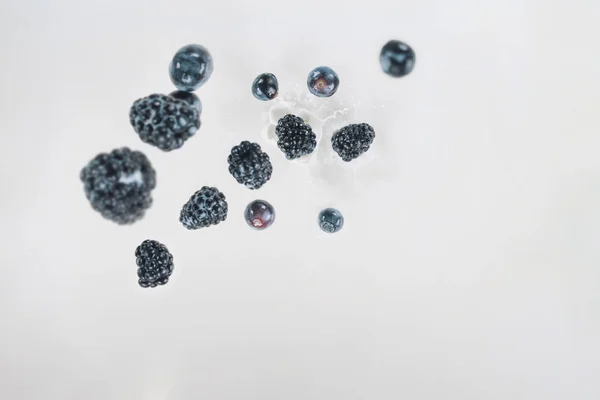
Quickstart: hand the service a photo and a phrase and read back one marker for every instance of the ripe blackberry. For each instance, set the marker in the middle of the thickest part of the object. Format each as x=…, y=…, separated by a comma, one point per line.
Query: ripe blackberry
x=164, y=121
x=352, y=140
x=249, y=165
x=295, y=138
x=206, y=207
x=119, y=184
x=155, y=263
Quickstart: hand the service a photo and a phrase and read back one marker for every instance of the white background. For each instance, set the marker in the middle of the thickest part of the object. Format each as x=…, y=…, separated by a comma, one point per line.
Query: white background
x=469, y=265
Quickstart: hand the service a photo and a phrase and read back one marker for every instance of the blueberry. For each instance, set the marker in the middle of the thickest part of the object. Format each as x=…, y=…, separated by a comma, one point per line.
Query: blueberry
x=259, y=214
x=331, y=220
x=397, y=58
x=189, y=98
x=191, y=67
x=155, y=263
x=265, y=87
x=323, y=82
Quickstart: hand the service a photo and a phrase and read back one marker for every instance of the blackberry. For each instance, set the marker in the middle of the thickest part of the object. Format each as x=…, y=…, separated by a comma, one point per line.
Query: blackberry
x=155, y=263
x=118, y=184
x=259, y=215
x=352, y=140
x=164, y=121
x=206, y=207
x=249, y=165
x=295, y=138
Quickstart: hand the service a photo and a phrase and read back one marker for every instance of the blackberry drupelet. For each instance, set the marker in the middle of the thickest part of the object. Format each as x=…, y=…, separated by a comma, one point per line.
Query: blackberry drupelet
x=249, y=165
x=206, y=207
x=155, y=263
x=352, y=140
x=164, y=121
x=295, y=138
x=119, y=184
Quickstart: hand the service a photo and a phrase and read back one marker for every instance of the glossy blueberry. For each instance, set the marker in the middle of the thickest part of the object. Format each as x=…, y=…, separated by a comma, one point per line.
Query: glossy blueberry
x=259, y=214
x=397, y=58
x=331, y=220
x=191, y=67
x=189, y=98
x=323, y=82
x=265, y=87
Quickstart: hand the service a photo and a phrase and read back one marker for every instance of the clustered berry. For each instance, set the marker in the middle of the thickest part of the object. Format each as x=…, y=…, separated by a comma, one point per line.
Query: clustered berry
x=164, y=121
x=352, y=140
x=294, y=137
x=249, y=165
x=206, y=207
x=119, y=184
x=154, y=262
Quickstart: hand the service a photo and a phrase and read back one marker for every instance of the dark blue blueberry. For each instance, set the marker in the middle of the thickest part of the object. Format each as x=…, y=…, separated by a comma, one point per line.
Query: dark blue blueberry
x=397, y=58
x=155, y=263
x=331, y=220
x=189, y=98
x=352, y=140
x=206, y=207
x=323, y=82
x=249, y=165
x=163, y=121
x=265, y=87
x=119, y=184
x=192, y=65
x=259, y=214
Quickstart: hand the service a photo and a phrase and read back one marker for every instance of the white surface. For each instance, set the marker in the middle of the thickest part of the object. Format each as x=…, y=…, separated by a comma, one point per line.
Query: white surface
x=468, y=267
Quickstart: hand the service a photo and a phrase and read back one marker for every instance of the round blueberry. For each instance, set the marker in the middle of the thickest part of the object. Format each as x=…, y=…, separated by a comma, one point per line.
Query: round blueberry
x=323, y=82
x=265, y=87
x=397, y=58
x=331, y=220
x=259, y=214
x=189, y=98
x=192, y=65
